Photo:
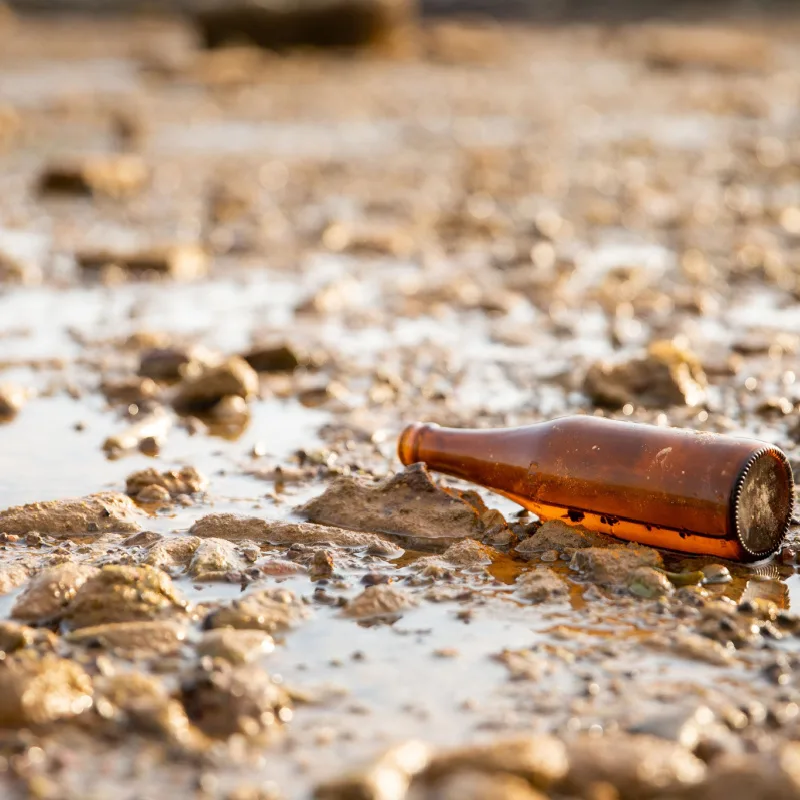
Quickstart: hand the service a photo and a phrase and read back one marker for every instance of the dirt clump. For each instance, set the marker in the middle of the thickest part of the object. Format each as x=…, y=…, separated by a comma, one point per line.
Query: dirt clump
x=107, y=512
x=148, y=433
x=133, y=640
x=409, y=504
x=636, y=766
x=274, y=358
x=541, y=585
x=165, y=363
x=238, y=646
x=215, y=559
x=184, y=262
x=381, y=601
x=237, y=529
x=557, y=535
x=12, y=576
x=469, y=553
x=648, y=582
x=37, y=690
x=171, y=551
x=115, y=176
x=226, y=700
x=14, y=636
x=667, y=376
x=12, y=399
x=124, y=594
x=186, y=480
x=613, y=566
x=49, y=592
x=269, y=610
x=206, y=385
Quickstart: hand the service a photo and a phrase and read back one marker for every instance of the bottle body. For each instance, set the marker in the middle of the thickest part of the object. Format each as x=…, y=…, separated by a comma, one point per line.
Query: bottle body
x=666, y=487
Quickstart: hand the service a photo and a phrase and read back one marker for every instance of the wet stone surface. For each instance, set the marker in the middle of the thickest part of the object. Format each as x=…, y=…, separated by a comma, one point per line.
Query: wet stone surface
x=228, y=279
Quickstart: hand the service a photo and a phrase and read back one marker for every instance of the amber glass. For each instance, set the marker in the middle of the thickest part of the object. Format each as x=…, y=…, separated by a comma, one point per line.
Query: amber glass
x=677, y=489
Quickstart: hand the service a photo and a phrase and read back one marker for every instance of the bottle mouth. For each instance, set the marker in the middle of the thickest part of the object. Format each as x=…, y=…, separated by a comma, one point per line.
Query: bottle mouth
x=763, y=502
x=409, y=442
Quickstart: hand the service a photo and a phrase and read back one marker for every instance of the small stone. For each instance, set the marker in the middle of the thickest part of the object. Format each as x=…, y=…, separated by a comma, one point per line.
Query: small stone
x=613, y=566
x=171, y=551
x=648, y=582
x=133, y=640
x=557, y=535
x=206, y=385
x=214, y=559
x=152, y=495
x=230, y=410
x=541, y=585
x=276, y=358
x=379, y=601
x=716, y=573
x=181, y=262
x=186, y=480
x=322, y=565
x=269, y=610
x=243, y=700
x=124, y=594
x=38, y=690
x=164, y=363
x=48, y=594
x=236, y=646
x=12, y=576
x=12, y=399
x=14, y=637
x=468, y=553
x=116, y=176
x=108, y=512
x=549, y=556
x=468, y=784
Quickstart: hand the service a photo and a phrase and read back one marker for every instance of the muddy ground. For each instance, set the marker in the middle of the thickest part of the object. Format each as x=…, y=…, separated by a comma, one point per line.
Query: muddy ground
x=229, y=278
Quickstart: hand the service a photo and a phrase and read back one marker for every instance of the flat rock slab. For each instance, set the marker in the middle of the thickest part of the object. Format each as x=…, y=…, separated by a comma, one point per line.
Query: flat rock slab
x=237, y=529
x=409, y=504
x=107, y=512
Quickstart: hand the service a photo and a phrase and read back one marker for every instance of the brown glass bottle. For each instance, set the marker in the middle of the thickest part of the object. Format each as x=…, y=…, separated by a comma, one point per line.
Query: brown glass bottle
x=678, y=489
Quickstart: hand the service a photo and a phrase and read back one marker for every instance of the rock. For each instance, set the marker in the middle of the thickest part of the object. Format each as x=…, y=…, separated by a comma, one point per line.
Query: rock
x=471, y=784
x=206, y=385
x=406, y=504
x=124, y=594
x=12, y=399
x=686, y=726
x=557, y=535
x=696, y=647
x=152, y=429
x=541, y=585
x=140, y=702
x=49, y=593
x=178, y=261
x=133, y=640
x=308, y=23
x=379, y=601
x=116, y=176
x=539, y=760
x=236, y=646
x=153, y=495
x=269, y=610
x=230, y=410
x=720, y=49
x=648, y=582
x=469, y=553
x=164, y=363
x=172, y=551
x=613, y=566
x=38, y=690
x=12, y=576
x=387, y=778
x=243, y=700
x=14, y=637
x=277, y=358
x=131, y=389
x=237, y=529
x=322, y=565
x=744, y=777
x=107, y=512
x=215, y=559
x=186, y=480
x=638, y=767
x=667, y=376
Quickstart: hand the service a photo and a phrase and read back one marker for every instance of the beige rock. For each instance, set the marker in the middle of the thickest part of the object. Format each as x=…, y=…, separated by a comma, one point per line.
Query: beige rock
x=648, y=582
x=234, y=528
x=12, y=576
x=214, y=559
x=613, y=566
x=116, y=176
x=469, y=553
x=133, y=640
x=153, y=496
x=172, y=551
x=124, y=594
x=269, y=610
x=12, y=399
x=407, y=504
x=206, y=385
x=15, y=637
x=557, y=535
x=37, y=690
x=153, y=428
x=541, y=585
x=47, y=595
x=187, y=480
x=236, y=646
x=243, y=700
x=379, y=601
x=469, y=784
x=107, y=512
x=178, y=261
x=636, y=766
